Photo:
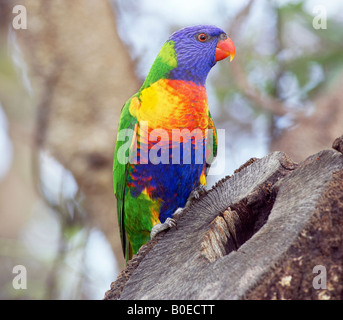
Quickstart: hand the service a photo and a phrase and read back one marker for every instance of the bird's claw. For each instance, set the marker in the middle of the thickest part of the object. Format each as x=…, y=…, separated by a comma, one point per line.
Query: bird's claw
x=157, y=228
x=197, y=192
x=177, y=214
x=171, y=222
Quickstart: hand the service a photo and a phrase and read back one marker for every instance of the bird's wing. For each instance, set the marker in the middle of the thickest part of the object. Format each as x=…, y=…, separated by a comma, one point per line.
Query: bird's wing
x=211, y=147
x=127, y=133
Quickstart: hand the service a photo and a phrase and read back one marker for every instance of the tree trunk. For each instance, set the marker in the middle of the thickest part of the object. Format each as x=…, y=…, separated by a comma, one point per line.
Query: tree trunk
x=82, y=76
x=274, y=230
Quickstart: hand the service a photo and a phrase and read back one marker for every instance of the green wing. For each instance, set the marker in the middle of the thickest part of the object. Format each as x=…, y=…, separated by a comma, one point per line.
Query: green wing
x=127, y=125
x=211, y=148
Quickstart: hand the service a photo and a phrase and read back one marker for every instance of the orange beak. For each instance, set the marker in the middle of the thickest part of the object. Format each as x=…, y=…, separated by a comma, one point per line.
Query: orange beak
x=224, y=49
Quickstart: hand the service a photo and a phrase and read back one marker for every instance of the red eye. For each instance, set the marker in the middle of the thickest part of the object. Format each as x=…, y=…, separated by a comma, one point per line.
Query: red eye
x=202, y=37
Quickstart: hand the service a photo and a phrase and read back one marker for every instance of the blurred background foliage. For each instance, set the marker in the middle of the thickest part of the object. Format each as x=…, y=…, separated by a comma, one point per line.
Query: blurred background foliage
x=63, y=82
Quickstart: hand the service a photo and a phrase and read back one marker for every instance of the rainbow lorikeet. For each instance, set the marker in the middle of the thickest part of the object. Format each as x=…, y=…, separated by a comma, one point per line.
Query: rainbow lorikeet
x=162, y=130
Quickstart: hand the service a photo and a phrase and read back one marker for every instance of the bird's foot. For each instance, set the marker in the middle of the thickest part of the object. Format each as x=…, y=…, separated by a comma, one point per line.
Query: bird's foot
x=177, y=214
x=169, y=223
x=196, y=193
x=157, y=228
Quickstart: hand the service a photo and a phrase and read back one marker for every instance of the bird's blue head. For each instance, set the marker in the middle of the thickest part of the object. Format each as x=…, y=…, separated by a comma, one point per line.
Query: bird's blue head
x=189, y=54
x=197, y=50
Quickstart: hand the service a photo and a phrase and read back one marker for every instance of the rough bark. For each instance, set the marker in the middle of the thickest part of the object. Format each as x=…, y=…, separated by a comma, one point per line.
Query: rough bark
x=255, y=235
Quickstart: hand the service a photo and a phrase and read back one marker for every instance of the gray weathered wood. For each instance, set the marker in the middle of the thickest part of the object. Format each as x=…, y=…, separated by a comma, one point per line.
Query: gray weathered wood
x=234, y=242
